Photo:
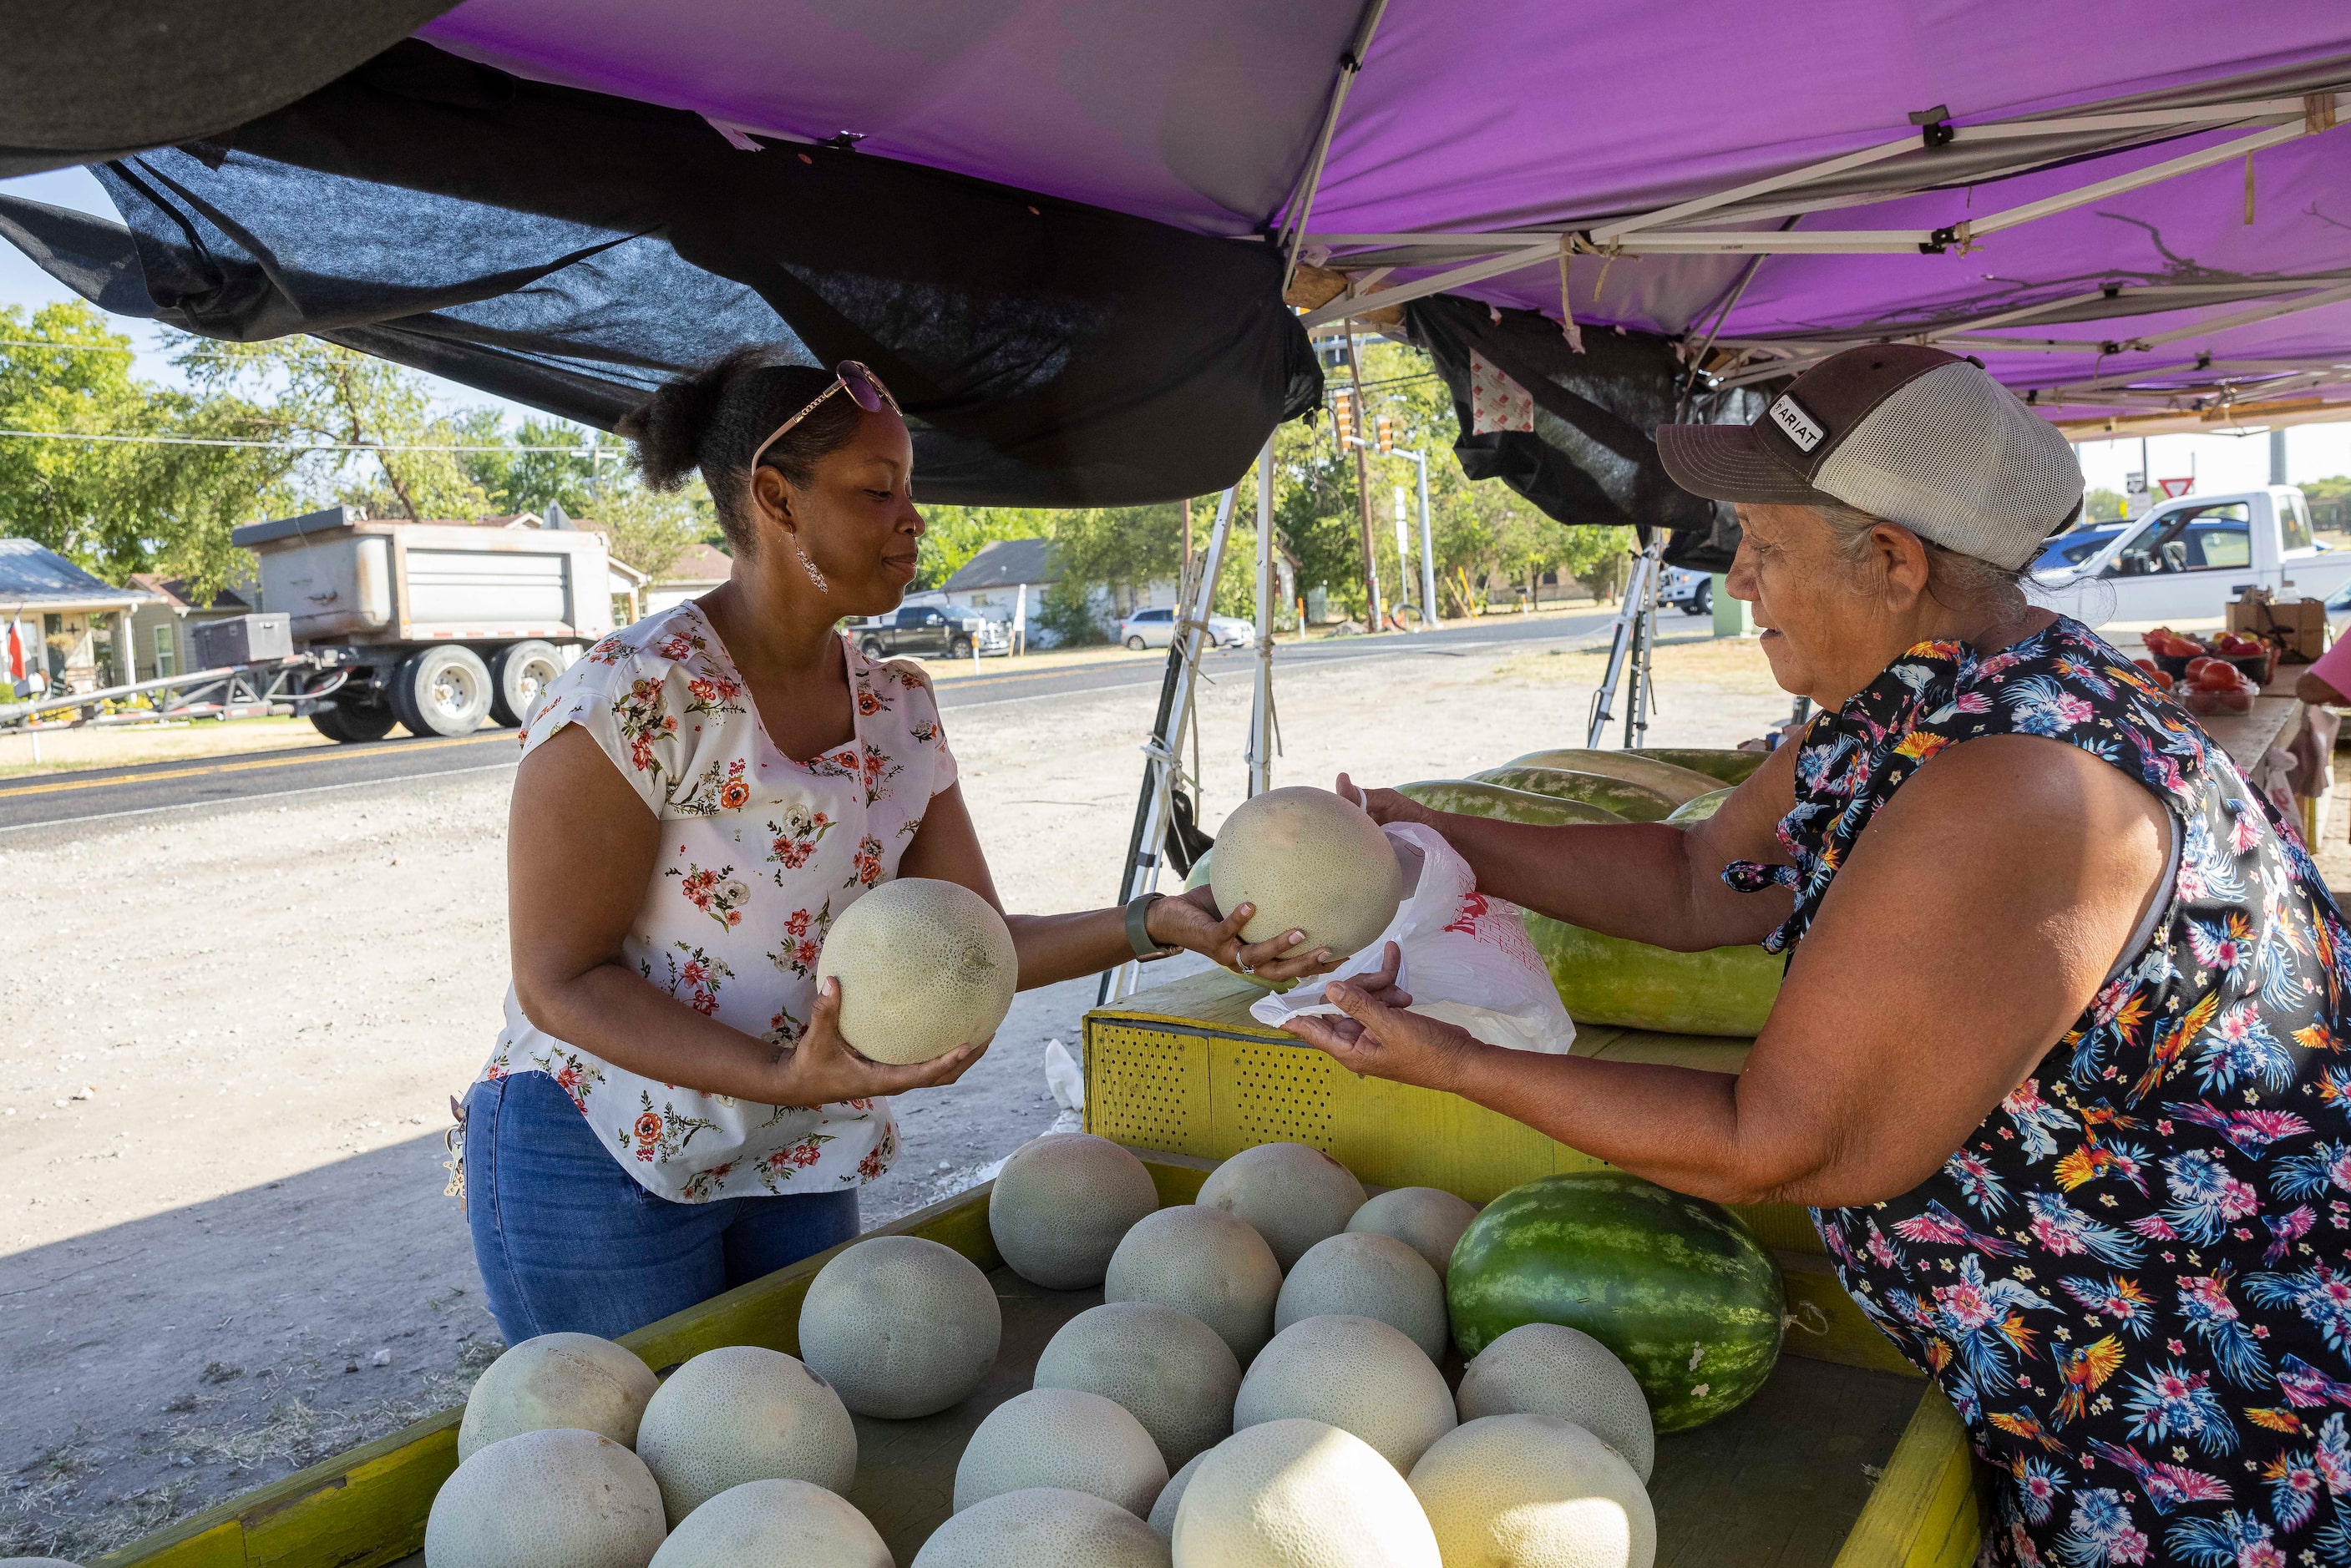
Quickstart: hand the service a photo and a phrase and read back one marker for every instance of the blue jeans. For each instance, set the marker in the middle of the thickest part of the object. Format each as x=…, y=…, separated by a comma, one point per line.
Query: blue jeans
x=567, y=1241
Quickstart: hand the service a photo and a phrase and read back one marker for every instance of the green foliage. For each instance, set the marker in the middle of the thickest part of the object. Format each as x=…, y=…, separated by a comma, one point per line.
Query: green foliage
x=2103, y=505
x=1068, y=613
x=953, y=535
x=2329, y=501
x=117, y=508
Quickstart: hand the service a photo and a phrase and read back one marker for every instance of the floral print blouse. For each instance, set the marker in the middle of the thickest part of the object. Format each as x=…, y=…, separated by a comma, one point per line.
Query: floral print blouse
x=2131, y=1279
x=760, y=854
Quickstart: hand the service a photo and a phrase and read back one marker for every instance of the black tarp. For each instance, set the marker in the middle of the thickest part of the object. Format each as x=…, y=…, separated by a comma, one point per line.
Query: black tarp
x=1591, y=458
x=569, y=249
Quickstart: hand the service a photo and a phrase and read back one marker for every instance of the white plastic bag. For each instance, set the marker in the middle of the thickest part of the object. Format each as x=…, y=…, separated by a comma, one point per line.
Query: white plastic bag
x=1467, y=957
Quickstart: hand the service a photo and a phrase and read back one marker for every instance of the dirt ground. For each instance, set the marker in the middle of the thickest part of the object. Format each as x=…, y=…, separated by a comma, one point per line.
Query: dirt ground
x=228, y=1038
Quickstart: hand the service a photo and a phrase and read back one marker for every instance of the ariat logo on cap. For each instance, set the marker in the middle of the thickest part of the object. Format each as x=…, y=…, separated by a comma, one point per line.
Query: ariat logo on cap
x=1800, y=426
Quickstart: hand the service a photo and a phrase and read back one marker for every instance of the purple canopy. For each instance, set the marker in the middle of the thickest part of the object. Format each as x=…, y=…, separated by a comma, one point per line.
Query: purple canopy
x=1531, y=115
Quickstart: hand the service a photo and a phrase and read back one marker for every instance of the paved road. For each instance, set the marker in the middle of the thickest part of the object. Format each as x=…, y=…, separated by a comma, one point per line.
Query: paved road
x=56, y=799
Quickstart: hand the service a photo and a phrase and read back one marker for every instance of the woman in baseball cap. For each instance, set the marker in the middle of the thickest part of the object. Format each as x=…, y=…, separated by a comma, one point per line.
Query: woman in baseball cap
x=2055, y=1061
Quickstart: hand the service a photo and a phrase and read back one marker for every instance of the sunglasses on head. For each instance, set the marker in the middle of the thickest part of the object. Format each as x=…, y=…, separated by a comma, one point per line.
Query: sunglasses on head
x=864, y=386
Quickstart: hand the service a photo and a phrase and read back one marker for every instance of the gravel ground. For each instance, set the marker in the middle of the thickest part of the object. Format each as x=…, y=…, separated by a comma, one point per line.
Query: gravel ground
x=229, y=1036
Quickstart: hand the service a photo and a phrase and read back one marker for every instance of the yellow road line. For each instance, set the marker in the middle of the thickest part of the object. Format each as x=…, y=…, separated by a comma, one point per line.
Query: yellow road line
x=311, y=754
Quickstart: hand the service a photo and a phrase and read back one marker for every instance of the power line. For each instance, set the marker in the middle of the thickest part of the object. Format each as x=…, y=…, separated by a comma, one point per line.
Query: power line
x=585, y=448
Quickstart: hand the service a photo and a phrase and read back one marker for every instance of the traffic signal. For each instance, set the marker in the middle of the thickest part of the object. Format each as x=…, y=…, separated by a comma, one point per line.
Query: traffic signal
x=1386, y=428
x=1343, y=417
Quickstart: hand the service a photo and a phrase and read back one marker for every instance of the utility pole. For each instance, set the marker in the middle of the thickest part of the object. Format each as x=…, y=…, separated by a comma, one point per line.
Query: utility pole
x=1188, y=540
x=1371, y=606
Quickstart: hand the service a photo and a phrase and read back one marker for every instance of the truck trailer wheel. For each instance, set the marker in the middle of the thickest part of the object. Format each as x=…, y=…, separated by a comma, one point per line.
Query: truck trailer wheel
x=442, y=690
x=353, y=724
x=518, y=672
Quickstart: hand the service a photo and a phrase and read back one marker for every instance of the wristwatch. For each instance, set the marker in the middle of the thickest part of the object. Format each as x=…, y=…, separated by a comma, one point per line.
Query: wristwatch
x=1138, y=934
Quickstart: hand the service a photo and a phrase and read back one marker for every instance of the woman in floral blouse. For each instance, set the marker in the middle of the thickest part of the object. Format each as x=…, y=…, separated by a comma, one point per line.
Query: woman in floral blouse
x=670, y=1110
x=2059, y=1062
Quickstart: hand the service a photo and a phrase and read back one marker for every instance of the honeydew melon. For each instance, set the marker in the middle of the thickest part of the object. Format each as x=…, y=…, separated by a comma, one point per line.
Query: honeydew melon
x=1167, y=1368
x=925, y=966
x=1667, y=778
x=775, y=1521
x=1362, y=1273
x=1046, y=1527
x=1062, y=1437
x=1204, y=1262
x=1730, y=766
x=1309, y=862
x=555, y=1498
x=1358, y=1375
x=1293, y=1193
x=1300, y=1494
x=1632, y=802
x=1677, y=1288
x=558, y=1380
x=744, y=1413
x=1533, y=1492
x=900, y=1326
x=1465, y=797
x=1061, y=1203
x=1550, y=1369
x=1428, y=1219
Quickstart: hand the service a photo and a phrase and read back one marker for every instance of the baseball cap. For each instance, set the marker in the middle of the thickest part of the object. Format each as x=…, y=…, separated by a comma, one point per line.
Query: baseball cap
x=1902, y=432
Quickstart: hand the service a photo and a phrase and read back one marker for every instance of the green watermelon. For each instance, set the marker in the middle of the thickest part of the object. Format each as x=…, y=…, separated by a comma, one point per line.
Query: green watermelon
x=1698, y=810
x=1609, y=980
x=1730, y=766
x=1677, y=1287
x=1678, y=782
x=1464, y=798
x=1633, y=802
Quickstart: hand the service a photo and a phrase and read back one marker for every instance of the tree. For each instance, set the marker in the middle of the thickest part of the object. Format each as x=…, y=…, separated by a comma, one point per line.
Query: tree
x=2101, y=507
x=122, y=506
x=952, y=535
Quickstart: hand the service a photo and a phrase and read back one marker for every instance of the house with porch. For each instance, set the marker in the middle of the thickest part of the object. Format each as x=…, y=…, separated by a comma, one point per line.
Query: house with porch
x=61, y=629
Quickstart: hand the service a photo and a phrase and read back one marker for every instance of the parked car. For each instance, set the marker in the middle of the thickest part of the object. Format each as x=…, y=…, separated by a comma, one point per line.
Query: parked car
x=1157, y=629
x=2071, y=548
x=1692, y=592
x=942, y=631
x=2186, y=559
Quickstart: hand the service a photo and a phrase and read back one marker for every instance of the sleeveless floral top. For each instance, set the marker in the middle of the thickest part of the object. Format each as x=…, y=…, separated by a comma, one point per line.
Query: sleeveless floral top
x=760, y=854
x=2131, y=1280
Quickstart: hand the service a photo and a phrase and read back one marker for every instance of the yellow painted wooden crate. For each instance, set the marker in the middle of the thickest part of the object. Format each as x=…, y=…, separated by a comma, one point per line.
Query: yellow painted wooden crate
x=1182, y=1069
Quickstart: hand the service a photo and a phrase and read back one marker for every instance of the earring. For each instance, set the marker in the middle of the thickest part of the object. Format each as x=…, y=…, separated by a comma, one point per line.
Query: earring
x=814, y=576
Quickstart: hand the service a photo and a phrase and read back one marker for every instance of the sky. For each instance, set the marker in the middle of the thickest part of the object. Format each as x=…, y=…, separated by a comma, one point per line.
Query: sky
x=2217, y=462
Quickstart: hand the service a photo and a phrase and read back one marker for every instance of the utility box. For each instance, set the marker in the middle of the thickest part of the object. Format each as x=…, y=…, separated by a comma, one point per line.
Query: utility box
x=241, y=639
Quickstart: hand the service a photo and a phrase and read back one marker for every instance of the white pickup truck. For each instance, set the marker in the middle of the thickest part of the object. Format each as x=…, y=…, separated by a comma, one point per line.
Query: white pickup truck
x=2181, y=563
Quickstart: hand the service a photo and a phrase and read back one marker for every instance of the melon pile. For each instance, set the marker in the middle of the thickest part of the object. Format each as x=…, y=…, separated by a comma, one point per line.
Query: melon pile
x=1260, y=1387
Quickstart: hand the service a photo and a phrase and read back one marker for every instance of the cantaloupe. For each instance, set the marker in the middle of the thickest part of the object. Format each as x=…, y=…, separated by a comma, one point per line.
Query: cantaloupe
x=1428, y=1219
x=744, y=1413
x=1300, y=1494
x=555, y=1498
x=1292, y=1192
x=900, y=1326
x=1063, y=1438
x=1310, y=862
x=1047, y=1527
x=775, y=1521
x=1360, y=1273
x=1550, y=1369
x=1061, y=1203
x=1533, y=1492
x=1162, y=1512
x=925, y=966
x=1357, y=1374
x=1167, y=1368
x=558, y=1380
x=1203, y=1261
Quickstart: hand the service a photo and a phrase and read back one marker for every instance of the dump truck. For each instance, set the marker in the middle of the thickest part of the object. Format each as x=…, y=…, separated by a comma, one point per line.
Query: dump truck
x=441, y=625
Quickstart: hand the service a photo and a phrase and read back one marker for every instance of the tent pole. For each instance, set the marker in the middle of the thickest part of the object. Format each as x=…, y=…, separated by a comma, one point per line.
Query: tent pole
x=1640, y=686
x=1311, y=179
x=1260, y=740
x=1139, y=874
x=1620, y=642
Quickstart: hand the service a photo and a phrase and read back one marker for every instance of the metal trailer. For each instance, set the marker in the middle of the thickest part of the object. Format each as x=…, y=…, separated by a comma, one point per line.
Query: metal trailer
x=439, y=625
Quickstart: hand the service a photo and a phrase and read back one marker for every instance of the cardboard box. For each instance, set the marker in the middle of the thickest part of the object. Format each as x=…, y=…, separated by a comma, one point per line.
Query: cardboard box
x=2301, y=623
